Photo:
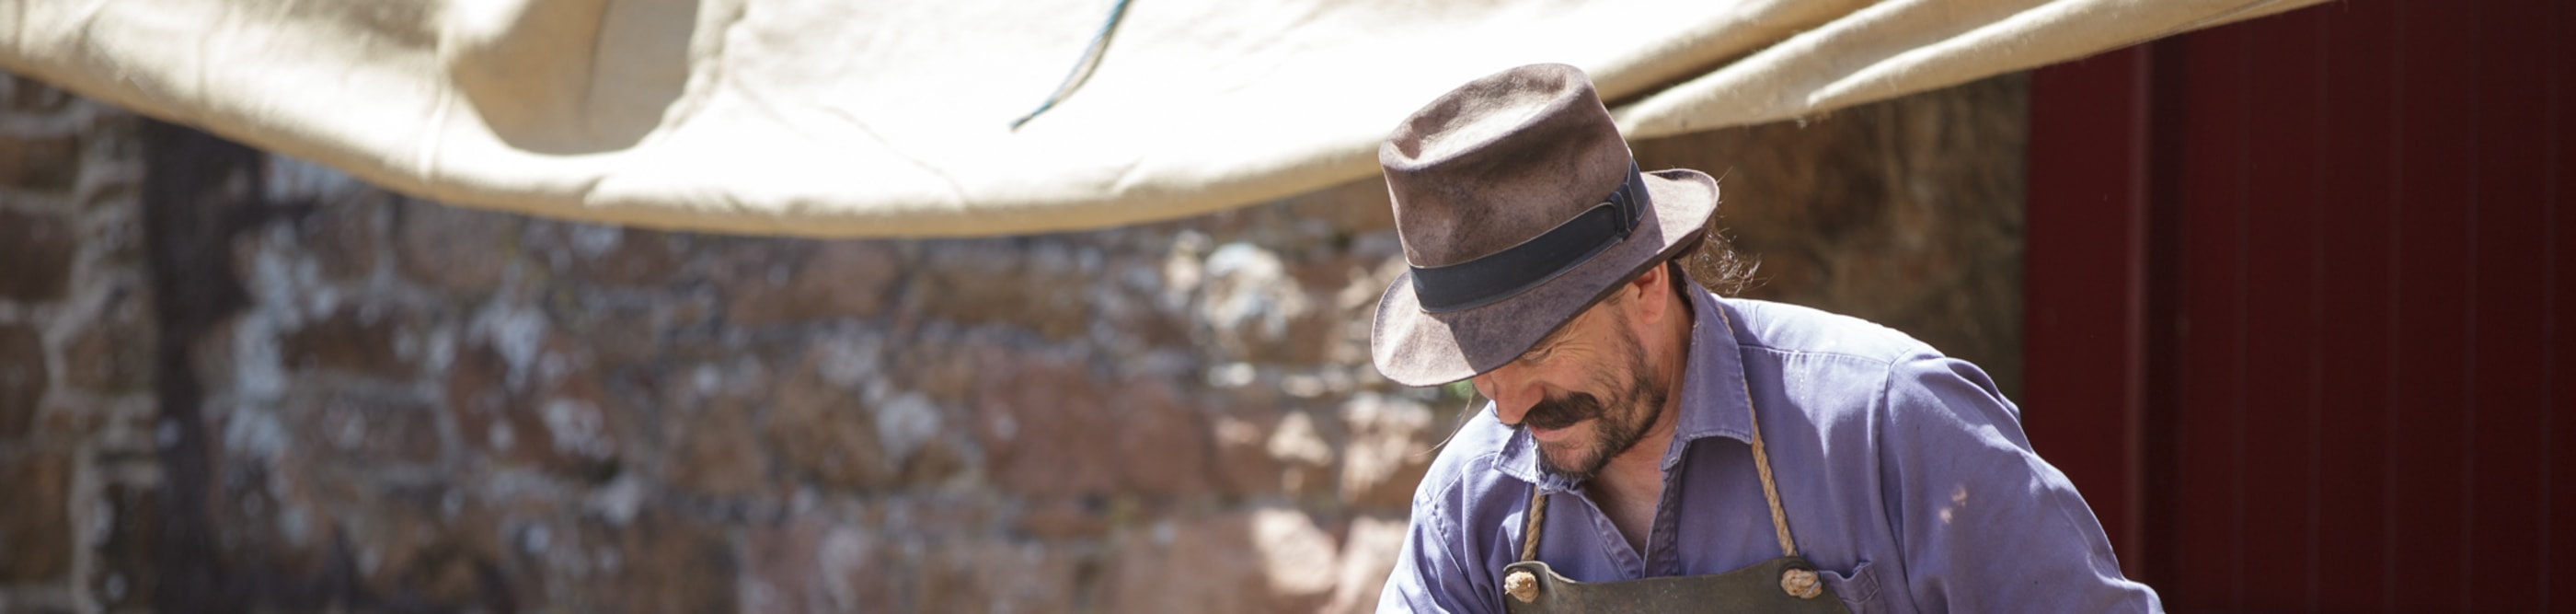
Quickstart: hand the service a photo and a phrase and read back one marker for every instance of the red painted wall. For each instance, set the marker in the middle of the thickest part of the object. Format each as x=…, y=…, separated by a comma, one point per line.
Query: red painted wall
x=2298, y=306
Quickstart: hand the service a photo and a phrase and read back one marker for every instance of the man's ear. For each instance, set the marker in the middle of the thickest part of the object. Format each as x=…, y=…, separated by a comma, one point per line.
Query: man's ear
x=1645, y=293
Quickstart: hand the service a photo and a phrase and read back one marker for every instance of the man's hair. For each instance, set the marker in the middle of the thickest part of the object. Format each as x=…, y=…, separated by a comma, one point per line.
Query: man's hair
x=1711, y=262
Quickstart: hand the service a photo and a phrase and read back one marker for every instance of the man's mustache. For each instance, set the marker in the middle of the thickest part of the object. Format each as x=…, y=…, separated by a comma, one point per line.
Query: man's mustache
x=1560, y=412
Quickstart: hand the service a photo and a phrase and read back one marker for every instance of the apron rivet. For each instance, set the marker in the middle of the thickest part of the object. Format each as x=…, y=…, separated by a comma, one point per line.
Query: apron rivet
x=1521, y=585
x=1800, y=583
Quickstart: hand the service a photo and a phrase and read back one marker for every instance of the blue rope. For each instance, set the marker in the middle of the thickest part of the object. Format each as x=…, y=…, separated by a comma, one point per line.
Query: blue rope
x=1081, y=68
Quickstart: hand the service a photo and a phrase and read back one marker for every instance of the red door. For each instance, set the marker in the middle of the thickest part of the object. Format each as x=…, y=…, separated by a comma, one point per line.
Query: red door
x=2299, y=306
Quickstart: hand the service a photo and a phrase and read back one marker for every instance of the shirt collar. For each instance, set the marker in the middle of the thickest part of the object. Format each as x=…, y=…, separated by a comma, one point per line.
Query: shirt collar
x=1712, y=397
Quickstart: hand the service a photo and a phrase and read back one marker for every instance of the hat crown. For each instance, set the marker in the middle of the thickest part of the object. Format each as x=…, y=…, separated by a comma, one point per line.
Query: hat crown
x=1499, y=161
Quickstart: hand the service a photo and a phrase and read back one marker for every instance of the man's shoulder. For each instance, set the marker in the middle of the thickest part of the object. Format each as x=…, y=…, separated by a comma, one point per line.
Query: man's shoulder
x=1837, y=356
x=1798, y=329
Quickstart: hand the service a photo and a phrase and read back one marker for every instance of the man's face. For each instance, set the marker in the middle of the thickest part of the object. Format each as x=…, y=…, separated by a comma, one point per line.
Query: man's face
x=1585, y=394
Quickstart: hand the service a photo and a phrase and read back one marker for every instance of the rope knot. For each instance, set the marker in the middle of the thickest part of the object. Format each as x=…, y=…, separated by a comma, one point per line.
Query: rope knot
x=1522, y=585
x=1800, y=583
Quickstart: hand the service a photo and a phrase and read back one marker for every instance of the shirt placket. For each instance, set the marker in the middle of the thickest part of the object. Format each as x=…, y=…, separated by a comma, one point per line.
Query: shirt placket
x=1662, y=557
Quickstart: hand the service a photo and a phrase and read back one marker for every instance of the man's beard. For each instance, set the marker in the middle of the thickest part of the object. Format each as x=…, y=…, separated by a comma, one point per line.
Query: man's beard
x=1618, y=422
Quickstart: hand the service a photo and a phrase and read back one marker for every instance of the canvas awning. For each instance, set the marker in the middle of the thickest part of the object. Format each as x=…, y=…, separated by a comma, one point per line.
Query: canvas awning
x=859, y=118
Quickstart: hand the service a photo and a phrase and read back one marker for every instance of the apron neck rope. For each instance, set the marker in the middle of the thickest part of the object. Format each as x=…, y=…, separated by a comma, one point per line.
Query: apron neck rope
x=1762, y=461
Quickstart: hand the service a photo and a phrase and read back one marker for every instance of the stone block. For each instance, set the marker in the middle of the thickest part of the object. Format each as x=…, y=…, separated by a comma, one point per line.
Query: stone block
x=939, y=459
x=581, y=427
x=454, y=249
x=31, y=96
x=115, y=353
x=944, y=368
x=1050, y=428
x=665, y=564
x=641, y=259
x=23, y=379
x=364, y=431
x=279, y=506
x=1391, y=447
x=1162, y=442
x=1360, y=206
x=624, y=336
x=1138, y=315
x=441, y=550
x=1304, y=452
x=1034, y=284
x=606, y=255
x=923, y=518
x=839, y=279
x=1046, y=426
x=42, y=163
x=562, y=424
x=128, y=571
x=344, y=237
x=715, y=450
x=1262, y=560
x=354, y=339
x=1256, y=311
x=823, y=434
x=1062, y=518
x=36, y=534
x=1369, y=550
x=479, y=400
x=812, y=567
x=38, y=248
x=1241, y=444
x=997, y=576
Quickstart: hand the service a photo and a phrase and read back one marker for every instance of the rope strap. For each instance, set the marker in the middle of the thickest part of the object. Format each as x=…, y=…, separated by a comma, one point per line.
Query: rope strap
x=1537, y=514
x=1762, y=461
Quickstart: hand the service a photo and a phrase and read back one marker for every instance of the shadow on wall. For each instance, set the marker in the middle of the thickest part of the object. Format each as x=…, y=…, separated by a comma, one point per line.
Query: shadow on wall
x=1906, y=213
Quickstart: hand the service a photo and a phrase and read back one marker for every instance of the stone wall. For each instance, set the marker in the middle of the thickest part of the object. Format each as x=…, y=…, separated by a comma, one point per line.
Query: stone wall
x=232, y=381
x=79, y=478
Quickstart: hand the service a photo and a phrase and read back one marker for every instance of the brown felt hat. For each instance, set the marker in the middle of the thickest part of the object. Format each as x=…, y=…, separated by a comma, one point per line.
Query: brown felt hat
x=1519, y=206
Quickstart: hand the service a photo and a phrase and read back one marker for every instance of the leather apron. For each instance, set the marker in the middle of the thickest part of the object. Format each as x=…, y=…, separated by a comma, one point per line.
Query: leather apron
x=1785, y=584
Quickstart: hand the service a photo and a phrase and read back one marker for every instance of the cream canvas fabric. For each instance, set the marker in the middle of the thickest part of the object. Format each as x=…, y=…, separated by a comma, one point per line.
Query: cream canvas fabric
x=893, y=118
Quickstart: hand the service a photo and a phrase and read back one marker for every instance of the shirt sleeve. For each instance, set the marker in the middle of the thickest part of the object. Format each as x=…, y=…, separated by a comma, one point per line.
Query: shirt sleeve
x=1986, y=525
x=1434, y=573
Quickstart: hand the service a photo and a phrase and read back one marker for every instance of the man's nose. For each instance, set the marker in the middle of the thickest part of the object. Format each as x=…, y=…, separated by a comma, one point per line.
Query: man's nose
x=1512, y=394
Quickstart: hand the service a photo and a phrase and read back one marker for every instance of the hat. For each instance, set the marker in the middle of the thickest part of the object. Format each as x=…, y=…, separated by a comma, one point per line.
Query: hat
x=1519, y=206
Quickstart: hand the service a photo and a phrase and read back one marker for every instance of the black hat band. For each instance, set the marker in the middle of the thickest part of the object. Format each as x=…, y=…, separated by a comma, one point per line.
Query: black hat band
x=1516, y=269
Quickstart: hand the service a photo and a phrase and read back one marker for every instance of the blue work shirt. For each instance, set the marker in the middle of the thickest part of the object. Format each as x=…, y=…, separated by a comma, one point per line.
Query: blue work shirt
x=1906, y=478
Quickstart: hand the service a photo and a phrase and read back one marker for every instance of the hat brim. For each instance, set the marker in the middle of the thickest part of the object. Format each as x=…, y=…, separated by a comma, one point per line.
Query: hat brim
x=1418, y=348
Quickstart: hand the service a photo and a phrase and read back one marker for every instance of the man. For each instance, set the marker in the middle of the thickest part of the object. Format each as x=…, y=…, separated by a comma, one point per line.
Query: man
x=1654, y=446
